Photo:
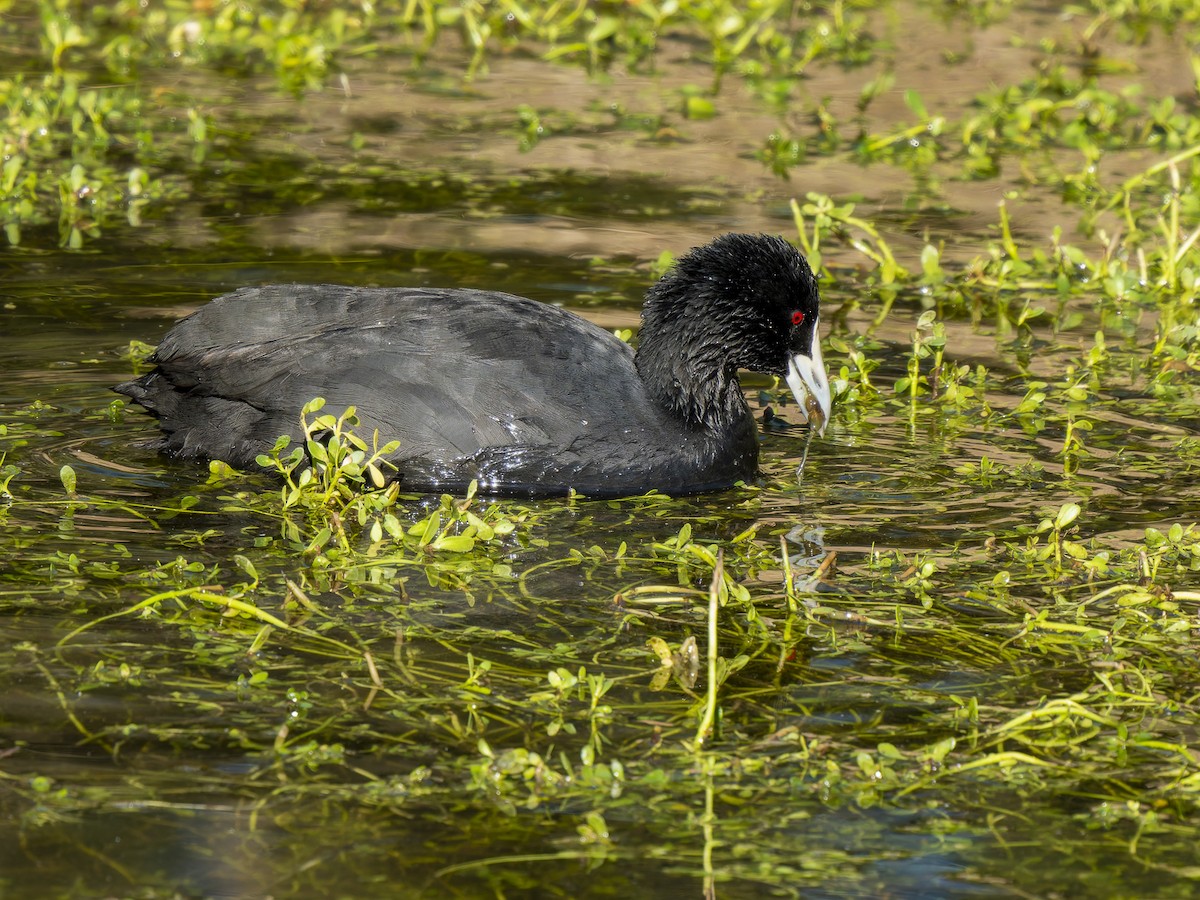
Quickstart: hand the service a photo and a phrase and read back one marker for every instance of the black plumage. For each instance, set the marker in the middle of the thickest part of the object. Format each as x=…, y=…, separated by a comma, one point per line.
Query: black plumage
x=521, y=396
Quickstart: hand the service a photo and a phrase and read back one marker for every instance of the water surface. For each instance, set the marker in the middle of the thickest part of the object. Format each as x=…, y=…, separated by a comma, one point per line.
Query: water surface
x=176, y=753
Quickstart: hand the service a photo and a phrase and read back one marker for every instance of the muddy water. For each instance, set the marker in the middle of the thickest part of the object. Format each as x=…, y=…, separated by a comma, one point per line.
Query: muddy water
x=417, y=179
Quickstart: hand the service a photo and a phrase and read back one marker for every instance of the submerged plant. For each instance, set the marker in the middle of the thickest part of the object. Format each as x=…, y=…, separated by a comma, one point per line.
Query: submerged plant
x=972, y=622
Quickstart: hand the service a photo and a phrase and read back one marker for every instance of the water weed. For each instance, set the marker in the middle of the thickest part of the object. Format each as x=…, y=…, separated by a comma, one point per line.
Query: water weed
x=957, y=655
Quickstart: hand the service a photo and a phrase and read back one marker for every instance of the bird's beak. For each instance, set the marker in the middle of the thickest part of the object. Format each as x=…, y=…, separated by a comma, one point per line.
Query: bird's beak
x=809, y=382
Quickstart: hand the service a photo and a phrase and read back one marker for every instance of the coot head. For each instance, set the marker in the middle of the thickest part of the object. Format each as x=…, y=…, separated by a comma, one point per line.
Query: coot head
x=740, y=302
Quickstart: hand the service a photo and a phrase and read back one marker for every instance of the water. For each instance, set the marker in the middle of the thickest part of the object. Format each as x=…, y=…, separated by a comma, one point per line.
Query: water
x=179, y=751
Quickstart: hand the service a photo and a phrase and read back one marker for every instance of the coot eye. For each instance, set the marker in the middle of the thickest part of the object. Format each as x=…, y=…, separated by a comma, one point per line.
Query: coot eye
x=797, y=318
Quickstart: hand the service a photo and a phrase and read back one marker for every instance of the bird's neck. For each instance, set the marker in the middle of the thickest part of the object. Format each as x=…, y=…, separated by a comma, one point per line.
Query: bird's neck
x=690, y=375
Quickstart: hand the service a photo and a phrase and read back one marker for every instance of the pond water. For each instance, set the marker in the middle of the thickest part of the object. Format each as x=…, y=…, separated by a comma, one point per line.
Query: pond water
x=153, y=742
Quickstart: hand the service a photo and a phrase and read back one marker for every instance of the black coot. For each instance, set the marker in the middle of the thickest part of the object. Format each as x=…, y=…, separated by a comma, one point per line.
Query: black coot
x=523, y=397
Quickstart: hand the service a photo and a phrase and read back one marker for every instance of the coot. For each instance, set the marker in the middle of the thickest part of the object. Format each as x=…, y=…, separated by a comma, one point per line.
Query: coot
x=523, y=397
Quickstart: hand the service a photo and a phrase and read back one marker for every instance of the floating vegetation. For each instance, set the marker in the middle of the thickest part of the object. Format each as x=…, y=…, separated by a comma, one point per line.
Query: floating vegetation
x=956, y=657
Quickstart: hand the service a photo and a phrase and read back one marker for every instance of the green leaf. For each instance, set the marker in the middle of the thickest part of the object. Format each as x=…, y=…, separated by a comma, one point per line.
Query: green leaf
x=605, y=27
x=1068, y=514
x=455, y=543
x=916, y=104
x=941, y=749
x=931, y=261
x=695, y=107
x=393, y=527
x=426, y=529
x=1074, y=550
x=661, y=649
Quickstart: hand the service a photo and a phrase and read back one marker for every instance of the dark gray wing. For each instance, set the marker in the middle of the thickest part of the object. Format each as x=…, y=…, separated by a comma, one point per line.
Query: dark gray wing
x=450, y=373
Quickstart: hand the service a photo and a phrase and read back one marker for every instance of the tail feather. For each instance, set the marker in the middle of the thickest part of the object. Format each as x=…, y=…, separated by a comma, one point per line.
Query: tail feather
x=197, y=426
x=152, y=392
x=135, y=390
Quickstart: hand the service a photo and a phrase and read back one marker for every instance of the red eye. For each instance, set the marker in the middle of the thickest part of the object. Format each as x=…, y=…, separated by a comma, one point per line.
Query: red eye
x=797, y=318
